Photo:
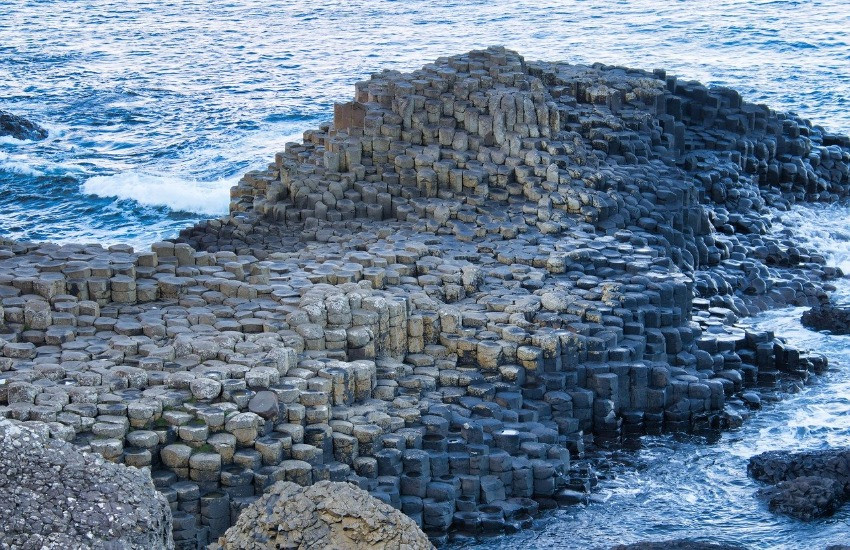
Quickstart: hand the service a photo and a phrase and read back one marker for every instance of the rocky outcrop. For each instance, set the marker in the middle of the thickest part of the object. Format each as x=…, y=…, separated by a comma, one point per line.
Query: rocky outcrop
x=20, y=128
x=828, y=316
x=806, y=497
x=324, y=515
x=54, y=496
x=807, y=485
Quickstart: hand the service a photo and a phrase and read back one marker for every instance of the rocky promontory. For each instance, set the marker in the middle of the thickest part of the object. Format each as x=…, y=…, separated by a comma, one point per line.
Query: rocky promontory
x=806, y=485
x=444, y=295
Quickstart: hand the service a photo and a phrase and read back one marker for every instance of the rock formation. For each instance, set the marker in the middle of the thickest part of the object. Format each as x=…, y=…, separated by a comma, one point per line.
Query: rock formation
x=806, y=485
x=828, y=316
x=325, y=515
x=442, y=296
x=54, y=496
x=20, y=128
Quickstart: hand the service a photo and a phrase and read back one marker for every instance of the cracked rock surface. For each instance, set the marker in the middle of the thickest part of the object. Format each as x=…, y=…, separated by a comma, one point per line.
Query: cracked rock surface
x=54, y=496
x=325, y=515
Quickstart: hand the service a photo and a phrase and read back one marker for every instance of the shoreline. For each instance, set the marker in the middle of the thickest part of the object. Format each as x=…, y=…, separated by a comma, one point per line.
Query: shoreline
x=476, y=270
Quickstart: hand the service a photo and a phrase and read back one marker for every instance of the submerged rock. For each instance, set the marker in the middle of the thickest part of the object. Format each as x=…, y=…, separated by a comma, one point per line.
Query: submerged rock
x=808, y=485
x=325, y=515
x=829, y=317
x=19, y=127
x=54, y=496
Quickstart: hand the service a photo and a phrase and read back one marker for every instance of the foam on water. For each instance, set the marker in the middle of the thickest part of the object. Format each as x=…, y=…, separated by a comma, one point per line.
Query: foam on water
x=17, y=164
x=207, y=198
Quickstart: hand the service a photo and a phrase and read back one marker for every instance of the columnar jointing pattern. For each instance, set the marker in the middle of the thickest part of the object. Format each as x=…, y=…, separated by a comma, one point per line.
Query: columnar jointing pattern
x=475, y=270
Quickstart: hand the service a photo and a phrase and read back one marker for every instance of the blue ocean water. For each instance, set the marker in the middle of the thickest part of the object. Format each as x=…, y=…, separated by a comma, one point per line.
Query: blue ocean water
x=156, y=108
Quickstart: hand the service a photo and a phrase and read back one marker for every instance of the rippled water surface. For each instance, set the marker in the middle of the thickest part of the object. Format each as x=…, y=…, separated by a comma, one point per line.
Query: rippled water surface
x=155, y=108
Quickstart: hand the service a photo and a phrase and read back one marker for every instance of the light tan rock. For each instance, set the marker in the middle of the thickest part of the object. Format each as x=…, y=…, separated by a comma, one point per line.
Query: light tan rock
x=325, y=515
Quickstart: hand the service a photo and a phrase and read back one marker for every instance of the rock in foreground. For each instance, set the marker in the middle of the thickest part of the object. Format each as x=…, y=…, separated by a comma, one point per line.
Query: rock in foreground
x=324, y=515
x=828, y=317
x=19, y=127
x=54, y=496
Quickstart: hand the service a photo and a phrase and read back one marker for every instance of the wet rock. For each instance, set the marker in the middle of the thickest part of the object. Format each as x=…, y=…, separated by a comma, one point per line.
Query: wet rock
x=19, y=127
x=806, y=485
x=324, y=515
x=52, y=495
x=776, y=466
x=804, y=497
x=828, y=316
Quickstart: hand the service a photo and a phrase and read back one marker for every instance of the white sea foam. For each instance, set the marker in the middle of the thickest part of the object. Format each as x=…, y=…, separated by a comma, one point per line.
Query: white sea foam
x=9, y=140
x=824, y=229
x=209, y=198
x=16, y=164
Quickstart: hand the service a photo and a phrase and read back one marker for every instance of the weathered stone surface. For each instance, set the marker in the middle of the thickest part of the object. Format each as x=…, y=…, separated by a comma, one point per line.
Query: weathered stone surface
x=324, y=515
x=776, y=466
x=54, y=496
x=482, y=267
x=806, y=485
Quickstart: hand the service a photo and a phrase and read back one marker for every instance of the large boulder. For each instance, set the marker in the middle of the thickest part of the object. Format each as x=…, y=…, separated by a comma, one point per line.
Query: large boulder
x=776, y=466
x=20, y=128
x=828, y=316
x=806, y=485
x=805, y=497
x=324, y=515
x=54, y=496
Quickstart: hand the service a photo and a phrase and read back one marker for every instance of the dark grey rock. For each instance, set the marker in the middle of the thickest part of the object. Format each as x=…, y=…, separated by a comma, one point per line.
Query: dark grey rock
x=19, y=127
x=828, y=316
x=265, y=404
x=804, y=497
x=776, y=466
x=54, y=496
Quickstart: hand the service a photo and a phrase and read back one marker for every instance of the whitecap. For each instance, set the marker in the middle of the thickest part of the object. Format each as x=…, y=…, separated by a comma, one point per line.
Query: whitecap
x=17, y=165
x=9, y=140
x=208, y=198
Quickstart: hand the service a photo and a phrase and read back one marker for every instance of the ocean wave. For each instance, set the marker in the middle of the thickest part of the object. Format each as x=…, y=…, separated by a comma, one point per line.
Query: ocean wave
x=208, y=198
x=9, y=140
x=16, y=165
